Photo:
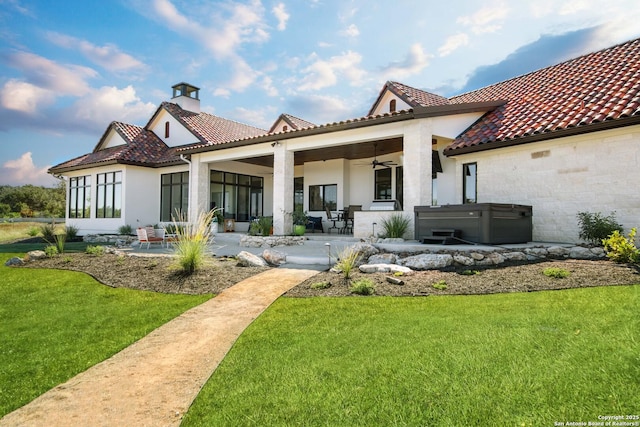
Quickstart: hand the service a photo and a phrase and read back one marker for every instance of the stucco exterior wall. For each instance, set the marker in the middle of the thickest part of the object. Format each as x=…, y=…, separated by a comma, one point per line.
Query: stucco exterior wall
x=595, y=172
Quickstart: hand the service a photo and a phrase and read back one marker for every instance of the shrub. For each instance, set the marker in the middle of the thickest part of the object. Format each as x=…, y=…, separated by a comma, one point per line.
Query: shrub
x=347, y=261
x=395, y=226
x=59, y=240
x=192, y=240
x=51, y=251
x=594, y=227
x=265, y=223
x=556, y=273
x=33, y=231
x=254, y=228
x=48, y=231
x=125, y=230
x=71, y=232
x=469, y=272
x=321, y=285
x=363, y=287
x=620, y=248
x=95, y=250
x=441, y=285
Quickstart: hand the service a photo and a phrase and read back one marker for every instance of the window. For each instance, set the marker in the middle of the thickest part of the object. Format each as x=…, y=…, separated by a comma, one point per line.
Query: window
x=285, y=128
x=109, y=195
x=174, y=195
x=382, y=184
x=166, y=129
x=80, y=197
x=392, y=105
x=298, y=194
x=469, y=182
x=322, y=197
x=240, y=196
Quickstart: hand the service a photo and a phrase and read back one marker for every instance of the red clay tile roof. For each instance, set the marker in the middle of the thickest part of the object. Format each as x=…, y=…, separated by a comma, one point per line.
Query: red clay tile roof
x=594, y=88
x=210, y=129
x=294, y=122
x=415, y=97
x=142, y=147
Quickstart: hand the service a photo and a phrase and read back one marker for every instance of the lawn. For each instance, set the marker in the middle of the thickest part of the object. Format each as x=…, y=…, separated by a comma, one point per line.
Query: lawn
x=54, y=325
x=507, y=359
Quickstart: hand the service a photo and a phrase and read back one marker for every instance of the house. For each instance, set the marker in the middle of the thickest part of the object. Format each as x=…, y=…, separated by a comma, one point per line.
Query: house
x=563, y=139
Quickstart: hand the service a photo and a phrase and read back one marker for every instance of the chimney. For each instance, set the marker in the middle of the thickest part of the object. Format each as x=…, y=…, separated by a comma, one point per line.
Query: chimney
x=186, y=96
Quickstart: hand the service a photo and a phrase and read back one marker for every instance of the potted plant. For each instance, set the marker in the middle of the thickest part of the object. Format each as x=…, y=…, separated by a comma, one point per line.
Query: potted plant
x=299, y=222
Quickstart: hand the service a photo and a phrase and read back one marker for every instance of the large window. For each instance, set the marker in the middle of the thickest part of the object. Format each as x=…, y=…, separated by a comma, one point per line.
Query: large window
x=80, y=197
x=240, y=196
x=109, y=195
x=382, y=184
x=298, y=194
x=322, y=197
x=469, y=182
x=174, y=195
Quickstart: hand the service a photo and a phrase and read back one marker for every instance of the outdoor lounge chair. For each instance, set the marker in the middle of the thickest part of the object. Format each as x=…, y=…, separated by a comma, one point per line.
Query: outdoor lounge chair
x=148, y=235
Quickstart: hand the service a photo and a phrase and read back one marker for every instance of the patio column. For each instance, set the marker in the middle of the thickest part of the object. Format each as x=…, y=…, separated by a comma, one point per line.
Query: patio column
x=198, y=188
x=282, y=189
x=417, y=165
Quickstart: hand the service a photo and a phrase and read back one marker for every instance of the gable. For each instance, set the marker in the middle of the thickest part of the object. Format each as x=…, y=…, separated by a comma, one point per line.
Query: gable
x=111, y=139
x=177, y=133
x=384, y=103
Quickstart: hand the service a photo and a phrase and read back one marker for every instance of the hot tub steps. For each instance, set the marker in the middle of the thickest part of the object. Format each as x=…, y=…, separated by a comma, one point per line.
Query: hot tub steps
x=443, y=236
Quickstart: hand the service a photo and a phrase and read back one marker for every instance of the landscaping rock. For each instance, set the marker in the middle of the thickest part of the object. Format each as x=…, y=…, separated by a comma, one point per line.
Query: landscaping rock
x=579, y=252
x=477, y=256
x=494, y=258
x=463, y=260
x=391, y=240
x=33, y=255
x=558, y=251
x=386, y=258
x=385, y=268
x=14, y=261
x=247, y=259
x=395, y=281
x=514, y=256
x=428, y=261
x=366, y=250
x=536, y=253
x=273, y=257
x=598, y=252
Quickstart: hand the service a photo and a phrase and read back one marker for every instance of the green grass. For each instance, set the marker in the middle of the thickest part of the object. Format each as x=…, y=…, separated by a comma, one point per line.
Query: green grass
x=507, y=359
x=55, y=324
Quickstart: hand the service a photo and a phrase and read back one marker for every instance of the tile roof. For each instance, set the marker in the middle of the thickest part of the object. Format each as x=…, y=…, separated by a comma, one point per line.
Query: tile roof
x=594, y=88
x=210, y=129
x=142, y=147
x=295, y=123
x=416, y=97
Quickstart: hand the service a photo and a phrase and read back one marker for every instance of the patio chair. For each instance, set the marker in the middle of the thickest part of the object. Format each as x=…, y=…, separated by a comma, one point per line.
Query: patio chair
x=348, y=224
x=314, y=223
x=147, y=235
x=334, y=219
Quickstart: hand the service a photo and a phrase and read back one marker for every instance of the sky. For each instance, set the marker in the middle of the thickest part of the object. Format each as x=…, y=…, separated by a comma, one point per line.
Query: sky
x=69, y=68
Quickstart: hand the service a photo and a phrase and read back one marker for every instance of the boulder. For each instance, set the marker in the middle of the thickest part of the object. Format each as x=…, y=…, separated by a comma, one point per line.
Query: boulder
x=558, y=251
x=384, y=268
x=14, y=261
x=515, y=256
x=32, y=255
x=273, y=257
x=579, y=252
x=428, y=261
x=598, y=252
x=365, y=249
x=463, y=260
x=494, y=258
x=247, y=259
x=386, y=258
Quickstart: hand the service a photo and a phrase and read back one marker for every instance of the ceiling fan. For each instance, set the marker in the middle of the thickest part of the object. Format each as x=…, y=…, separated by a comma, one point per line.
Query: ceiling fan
x=375, y=163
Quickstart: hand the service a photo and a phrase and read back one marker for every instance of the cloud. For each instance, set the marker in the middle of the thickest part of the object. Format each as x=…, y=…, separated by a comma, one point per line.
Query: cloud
x=415, y=61
x=453, y=43
x=319, y=108
x=24, y=97
x=281, y=15
x=486, y=20
x=23, y=171
x=324, y=73
x=547, y=50
x=46, y=74
x=107, y=56
x=243, y=23
x=109, y=103
x=262, y=118
x=351, y=31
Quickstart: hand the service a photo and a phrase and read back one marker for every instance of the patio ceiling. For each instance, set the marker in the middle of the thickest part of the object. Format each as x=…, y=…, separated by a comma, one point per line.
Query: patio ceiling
x=361, y=150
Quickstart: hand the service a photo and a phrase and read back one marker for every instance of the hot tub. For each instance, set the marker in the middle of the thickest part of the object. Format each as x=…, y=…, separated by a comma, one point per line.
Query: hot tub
x=483, y=223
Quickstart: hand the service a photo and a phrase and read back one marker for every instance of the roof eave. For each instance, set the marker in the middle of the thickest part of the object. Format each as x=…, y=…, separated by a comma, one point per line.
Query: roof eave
x=594, y=127
x=452, y=109
x=323, y=129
